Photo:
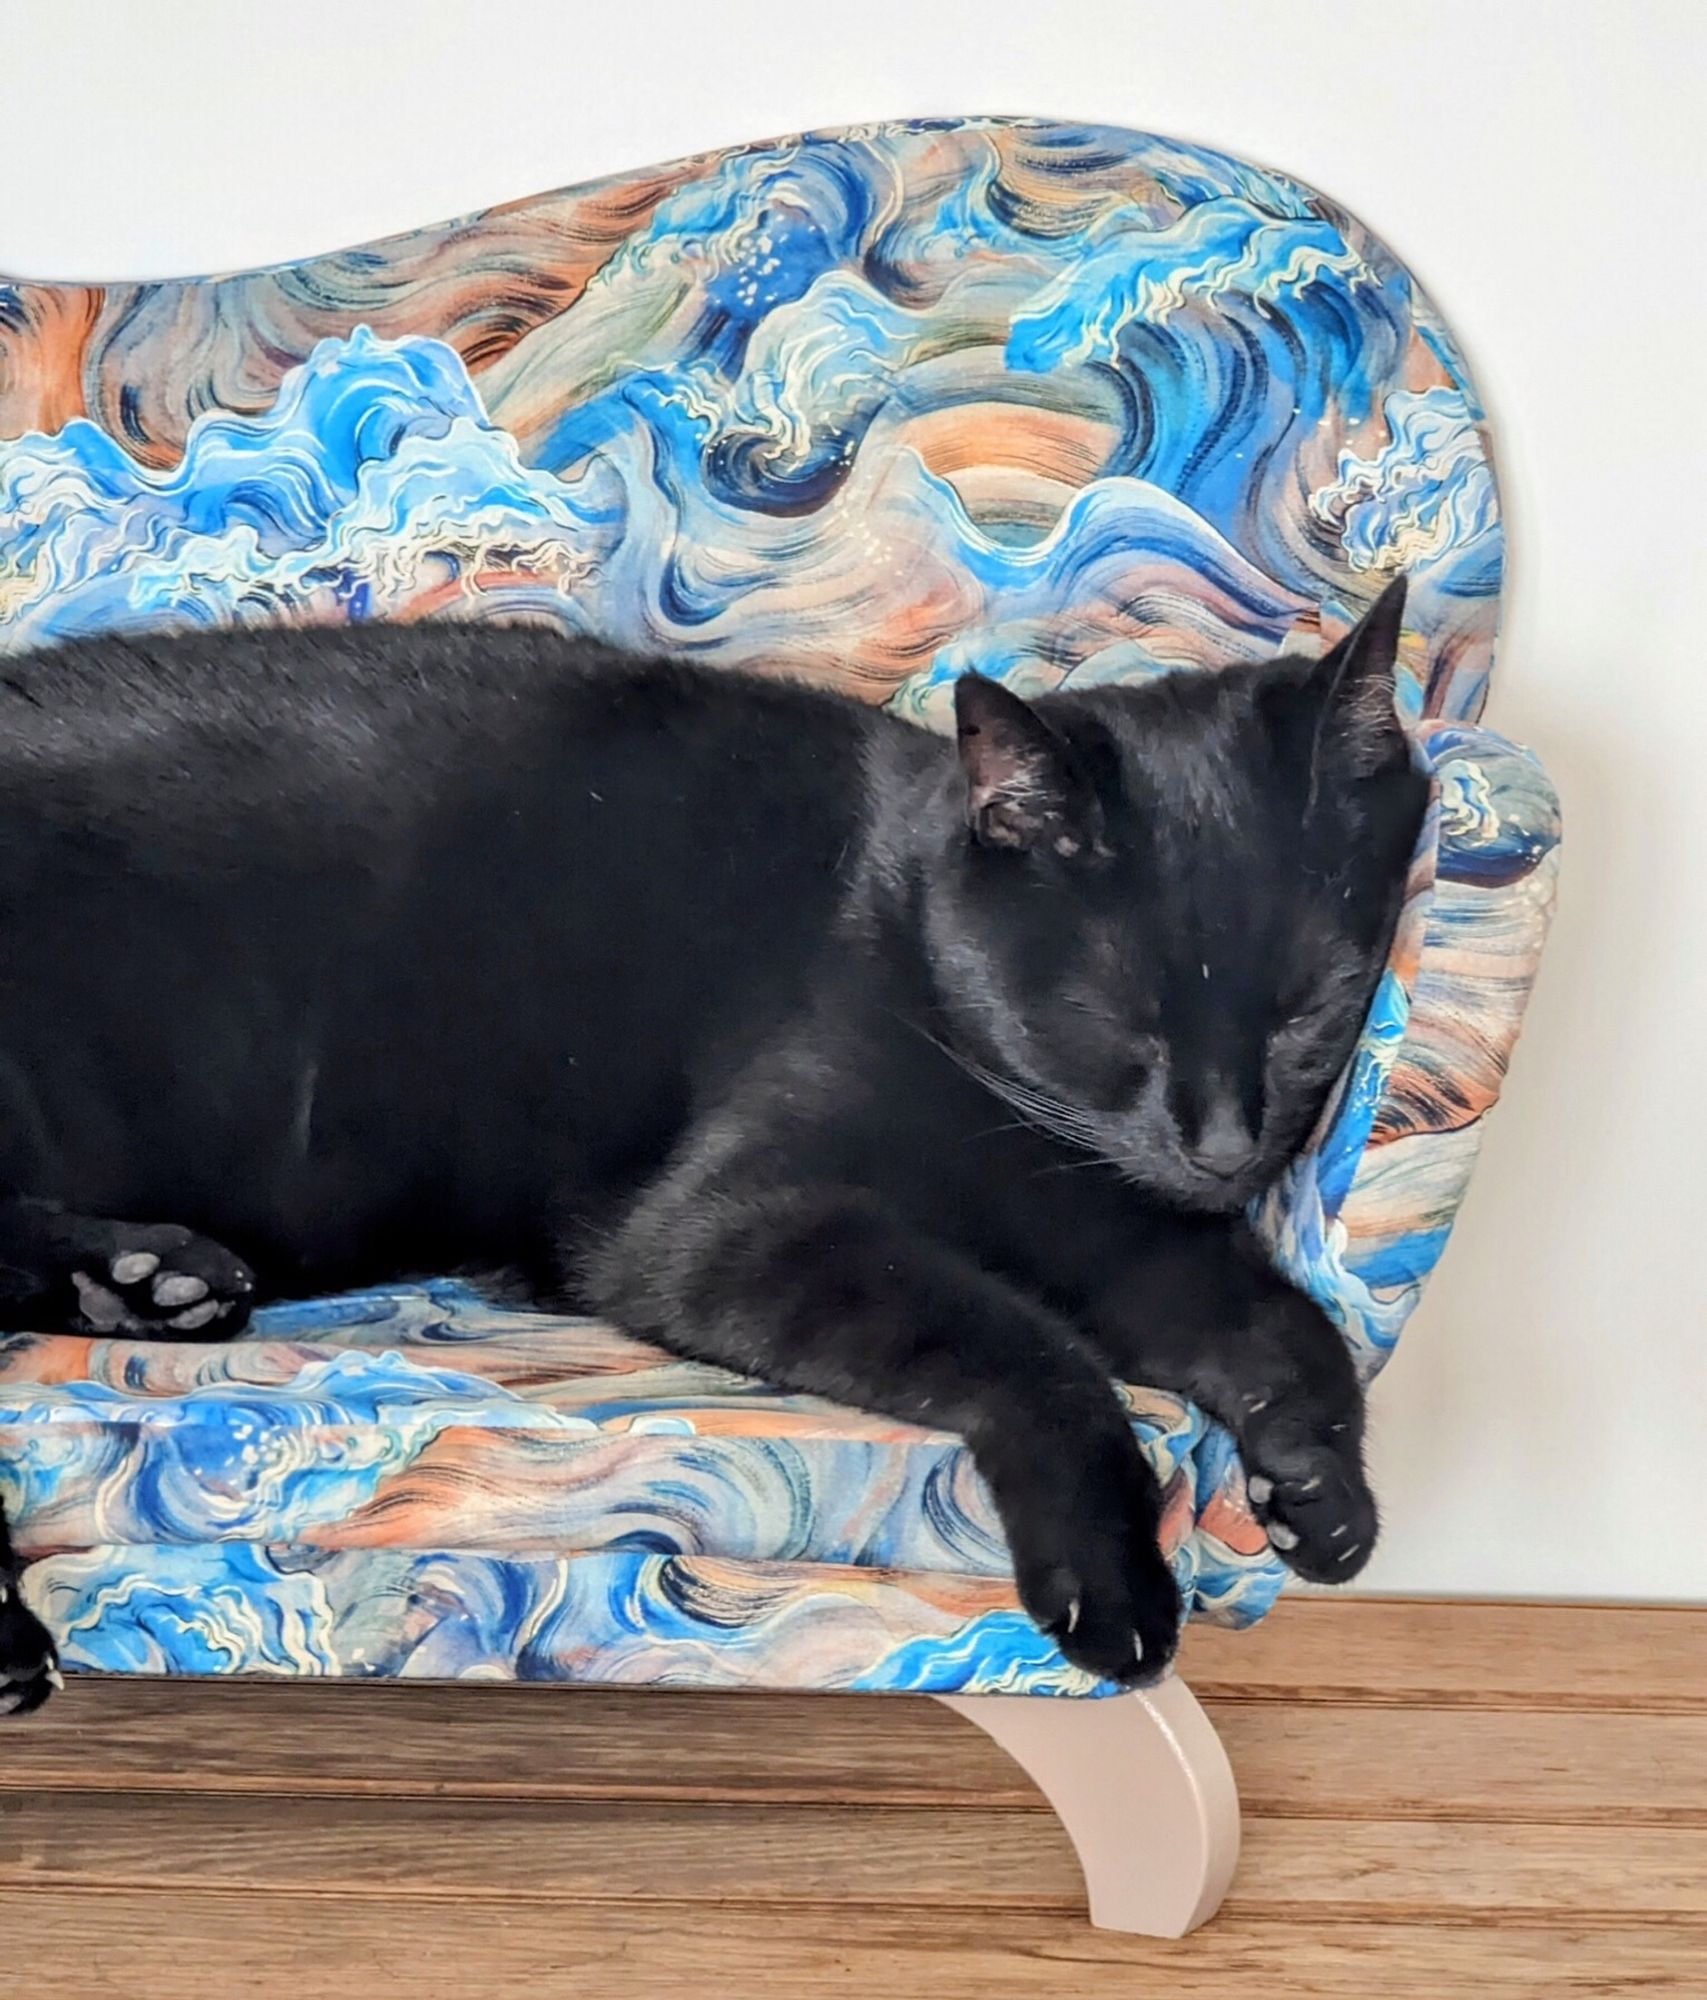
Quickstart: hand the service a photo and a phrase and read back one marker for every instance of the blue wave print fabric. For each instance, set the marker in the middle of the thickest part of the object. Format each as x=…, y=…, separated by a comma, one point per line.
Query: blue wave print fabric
x=1061, y=404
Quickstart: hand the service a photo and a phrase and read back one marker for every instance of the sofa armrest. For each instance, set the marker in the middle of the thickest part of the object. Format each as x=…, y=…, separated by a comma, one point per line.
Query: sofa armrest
x=1361, y=1216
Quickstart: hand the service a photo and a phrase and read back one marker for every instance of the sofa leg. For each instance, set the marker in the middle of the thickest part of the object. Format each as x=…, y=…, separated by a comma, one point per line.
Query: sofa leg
x=1143, y=1787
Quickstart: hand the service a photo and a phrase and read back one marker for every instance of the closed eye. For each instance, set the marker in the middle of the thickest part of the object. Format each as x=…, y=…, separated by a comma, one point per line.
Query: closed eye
x=1137, y=1039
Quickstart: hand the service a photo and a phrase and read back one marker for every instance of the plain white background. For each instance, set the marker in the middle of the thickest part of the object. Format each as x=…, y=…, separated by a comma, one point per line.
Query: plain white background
x=1541, y=167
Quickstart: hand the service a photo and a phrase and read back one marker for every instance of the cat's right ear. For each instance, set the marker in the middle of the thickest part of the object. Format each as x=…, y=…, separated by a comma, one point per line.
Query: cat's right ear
x=1022, y=790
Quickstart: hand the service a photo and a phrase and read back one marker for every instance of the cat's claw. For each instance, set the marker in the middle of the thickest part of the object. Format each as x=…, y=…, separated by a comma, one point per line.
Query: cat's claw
x=1119, y=1635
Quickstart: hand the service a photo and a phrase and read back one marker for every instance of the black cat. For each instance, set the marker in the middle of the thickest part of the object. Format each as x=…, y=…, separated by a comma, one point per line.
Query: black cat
x=929, y=1076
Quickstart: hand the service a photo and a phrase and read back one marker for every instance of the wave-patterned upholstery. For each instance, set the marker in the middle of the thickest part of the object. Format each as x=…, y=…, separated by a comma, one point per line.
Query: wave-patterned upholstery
x=879, y=405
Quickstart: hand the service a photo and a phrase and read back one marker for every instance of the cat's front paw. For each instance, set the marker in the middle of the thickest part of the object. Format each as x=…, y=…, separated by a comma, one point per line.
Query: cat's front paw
x=1113, y=1614
x=1092, y=1575
x=29, y=1666
x=1313, y=1499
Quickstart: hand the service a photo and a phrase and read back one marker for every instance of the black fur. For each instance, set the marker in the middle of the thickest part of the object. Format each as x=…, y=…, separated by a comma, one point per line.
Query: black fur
x=931, y=1079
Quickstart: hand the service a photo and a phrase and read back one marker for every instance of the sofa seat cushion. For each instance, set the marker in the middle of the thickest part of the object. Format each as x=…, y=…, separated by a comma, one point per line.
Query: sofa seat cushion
x=413, y=1480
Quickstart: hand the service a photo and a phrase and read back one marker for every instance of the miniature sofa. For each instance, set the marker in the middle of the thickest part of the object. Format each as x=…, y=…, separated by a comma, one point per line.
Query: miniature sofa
x=1064, y=405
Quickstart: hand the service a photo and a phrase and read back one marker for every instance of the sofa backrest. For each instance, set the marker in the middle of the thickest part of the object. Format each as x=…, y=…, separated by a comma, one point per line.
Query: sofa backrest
x=880, y=404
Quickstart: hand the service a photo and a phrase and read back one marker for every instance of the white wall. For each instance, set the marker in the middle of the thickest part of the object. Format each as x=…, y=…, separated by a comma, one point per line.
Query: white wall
x=1541, y=167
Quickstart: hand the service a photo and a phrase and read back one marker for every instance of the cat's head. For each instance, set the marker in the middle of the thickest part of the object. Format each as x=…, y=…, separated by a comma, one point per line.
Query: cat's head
x=1159, y=916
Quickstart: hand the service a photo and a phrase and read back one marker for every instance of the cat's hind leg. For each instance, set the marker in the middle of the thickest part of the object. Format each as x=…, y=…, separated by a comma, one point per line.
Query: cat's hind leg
x=90, y=1274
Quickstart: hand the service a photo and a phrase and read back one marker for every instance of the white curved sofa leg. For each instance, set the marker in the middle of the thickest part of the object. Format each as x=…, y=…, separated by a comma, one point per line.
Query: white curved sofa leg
x=1143, y=1787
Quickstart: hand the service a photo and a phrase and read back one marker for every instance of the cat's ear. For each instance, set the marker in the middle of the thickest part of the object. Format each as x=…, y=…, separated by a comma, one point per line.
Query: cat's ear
x=1022, y=788
x=1360, y=729
x=1338, y=717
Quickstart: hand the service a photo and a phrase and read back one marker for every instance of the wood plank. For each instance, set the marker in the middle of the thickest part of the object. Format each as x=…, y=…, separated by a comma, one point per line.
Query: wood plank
x=723, y=1855
x=135, y=1945
x=481, y=1741
x=570, y=1852
x=1465, y=1870
x=1365, y=1649
x=1444, y=1763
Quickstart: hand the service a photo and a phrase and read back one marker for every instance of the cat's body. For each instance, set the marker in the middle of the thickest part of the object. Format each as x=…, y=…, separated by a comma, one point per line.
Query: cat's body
x=754, y=1018
x=484, y=923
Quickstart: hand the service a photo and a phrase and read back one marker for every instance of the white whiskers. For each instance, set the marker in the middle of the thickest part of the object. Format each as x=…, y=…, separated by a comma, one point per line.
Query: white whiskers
x=1033, y=1107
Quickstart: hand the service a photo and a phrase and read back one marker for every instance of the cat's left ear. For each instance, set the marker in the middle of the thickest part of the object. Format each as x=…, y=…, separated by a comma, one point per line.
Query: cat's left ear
x=1023, y=788
x=1346, y=705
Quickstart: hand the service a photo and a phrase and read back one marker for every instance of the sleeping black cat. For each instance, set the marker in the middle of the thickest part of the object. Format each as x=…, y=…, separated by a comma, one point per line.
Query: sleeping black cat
x=926, y=1076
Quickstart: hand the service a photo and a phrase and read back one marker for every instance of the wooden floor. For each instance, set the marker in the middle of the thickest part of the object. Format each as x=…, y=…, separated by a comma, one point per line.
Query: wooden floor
x=1439, y=1801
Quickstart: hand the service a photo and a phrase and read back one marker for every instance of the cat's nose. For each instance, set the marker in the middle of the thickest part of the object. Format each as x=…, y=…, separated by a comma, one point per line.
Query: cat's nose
x=1224, y=1144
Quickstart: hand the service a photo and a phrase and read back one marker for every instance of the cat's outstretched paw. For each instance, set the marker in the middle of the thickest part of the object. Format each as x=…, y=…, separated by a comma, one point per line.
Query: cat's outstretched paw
x=29, y=1666
x=1315, y=1503
x=1091, y=1574
x=164, y=1280
x=1117, y=1619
